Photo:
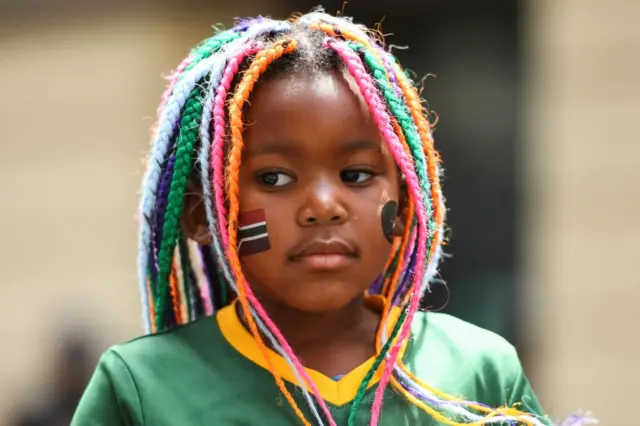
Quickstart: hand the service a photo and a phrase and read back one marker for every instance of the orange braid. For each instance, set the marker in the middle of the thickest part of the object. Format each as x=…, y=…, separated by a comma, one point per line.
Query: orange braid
x=295, y=16
x=259, y=65
x=175, y=294
x=181, y=285
x=152, y=307
x=391, y=284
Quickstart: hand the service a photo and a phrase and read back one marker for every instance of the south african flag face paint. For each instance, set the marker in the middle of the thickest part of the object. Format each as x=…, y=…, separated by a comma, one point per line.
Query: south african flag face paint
x=252, y=232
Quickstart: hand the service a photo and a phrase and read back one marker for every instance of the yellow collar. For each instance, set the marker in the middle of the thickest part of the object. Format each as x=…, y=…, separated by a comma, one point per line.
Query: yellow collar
x=337, y=392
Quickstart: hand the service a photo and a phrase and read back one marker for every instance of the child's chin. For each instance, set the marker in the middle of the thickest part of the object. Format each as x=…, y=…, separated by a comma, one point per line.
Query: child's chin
x=323, y=301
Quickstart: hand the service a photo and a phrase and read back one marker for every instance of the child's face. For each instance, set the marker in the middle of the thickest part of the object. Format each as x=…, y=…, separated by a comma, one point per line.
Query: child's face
x=315, y=162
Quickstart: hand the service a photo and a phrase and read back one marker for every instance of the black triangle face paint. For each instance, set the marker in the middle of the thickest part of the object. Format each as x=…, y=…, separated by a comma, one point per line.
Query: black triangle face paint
x=252, y=232
x=388, y=216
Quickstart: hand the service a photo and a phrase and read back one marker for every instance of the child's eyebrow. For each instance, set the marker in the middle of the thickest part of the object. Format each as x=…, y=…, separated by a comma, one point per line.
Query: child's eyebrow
x=293, y=150
x=287, y=149
x=359, y=145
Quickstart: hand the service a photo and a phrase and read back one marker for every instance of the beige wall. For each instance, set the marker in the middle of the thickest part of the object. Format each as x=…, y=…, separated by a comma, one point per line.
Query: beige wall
x=78, y=98
x=583, y=169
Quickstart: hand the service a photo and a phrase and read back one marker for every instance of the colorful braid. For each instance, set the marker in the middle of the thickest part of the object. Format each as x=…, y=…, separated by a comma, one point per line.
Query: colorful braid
x=181, y=282
x=383, y=121
x=334, y=27
x=169, y=118
x=184, y=146
x=230, y=71
x=201, y=274
x=392, y=102
x=217, y=147
x=413, y=142
x=257, y=67
x=432, y=167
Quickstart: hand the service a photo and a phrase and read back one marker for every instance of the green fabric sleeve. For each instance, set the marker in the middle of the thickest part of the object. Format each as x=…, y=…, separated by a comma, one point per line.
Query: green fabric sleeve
x=522, y=394
x=111, y=397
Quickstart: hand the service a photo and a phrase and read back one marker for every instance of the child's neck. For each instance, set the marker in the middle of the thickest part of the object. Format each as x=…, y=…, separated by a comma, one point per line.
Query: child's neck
x=347, y=335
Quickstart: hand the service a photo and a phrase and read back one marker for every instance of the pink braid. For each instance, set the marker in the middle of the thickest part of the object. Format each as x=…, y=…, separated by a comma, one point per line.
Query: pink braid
x=380, y=115
x=219, y=132
x=217, y=164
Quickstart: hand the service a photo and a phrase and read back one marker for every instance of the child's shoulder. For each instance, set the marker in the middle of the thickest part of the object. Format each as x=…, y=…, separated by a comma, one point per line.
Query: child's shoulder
x=435, y=331
x=198, y=337
x=457, y=356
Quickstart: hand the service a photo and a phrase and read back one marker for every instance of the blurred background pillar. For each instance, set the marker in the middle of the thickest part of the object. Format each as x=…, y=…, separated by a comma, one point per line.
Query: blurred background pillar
x=582, y=204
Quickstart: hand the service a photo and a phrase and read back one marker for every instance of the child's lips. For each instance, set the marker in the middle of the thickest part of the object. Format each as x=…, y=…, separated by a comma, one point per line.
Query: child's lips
x=326, y=261
x=333, y=254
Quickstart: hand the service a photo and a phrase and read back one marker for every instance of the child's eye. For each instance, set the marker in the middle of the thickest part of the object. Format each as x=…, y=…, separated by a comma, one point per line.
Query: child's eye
x=275, y=179
x=356, y=176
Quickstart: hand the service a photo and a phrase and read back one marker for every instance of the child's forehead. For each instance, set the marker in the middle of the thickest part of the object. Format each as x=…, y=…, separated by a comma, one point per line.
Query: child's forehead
x=299, y=95
x=335, y=85
x=318, y=107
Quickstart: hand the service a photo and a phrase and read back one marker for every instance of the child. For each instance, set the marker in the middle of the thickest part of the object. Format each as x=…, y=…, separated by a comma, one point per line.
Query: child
x=291, y=221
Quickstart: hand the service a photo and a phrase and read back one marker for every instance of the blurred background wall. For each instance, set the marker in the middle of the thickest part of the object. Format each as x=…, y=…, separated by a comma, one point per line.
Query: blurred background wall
x=582, y=204
x=536, y=99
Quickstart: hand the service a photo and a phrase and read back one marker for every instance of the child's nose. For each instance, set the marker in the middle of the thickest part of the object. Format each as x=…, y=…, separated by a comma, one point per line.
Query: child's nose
x=322, y=206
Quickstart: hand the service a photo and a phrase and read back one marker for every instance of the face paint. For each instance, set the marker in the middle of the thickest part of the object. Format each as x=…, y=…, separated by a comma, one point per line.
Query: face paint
x=388, y=216
x=252, y=232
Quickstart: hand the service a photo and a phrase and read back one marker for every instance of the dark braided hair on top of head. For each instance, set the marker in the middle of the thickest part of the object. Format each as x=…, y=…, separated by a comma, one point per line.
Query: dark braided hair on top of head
x=199, y=137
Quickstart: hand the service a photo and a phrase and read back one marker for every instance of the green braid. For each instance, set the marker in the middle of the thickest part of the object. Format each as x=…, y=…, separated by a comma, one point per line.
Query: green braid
x=189, y=127
x=210, y=46
x=401, y=113
x=223, y=288
x=365, y=382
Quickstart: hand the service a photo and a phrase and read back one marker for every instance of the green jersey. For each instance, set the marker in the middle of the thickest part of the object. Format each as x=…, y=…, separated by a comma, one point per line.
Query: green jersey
x=212, y=372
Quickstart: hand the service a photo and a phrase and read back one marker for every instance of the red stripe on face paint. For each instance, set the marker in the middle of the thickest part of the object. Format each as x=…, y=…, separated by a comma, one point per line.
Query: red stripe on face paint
x=252, y=216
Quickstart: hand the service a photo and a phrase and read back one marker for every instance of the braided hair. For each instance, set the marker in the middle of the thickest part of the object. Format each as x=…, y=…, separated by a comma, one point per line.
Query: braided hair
x=199, y=135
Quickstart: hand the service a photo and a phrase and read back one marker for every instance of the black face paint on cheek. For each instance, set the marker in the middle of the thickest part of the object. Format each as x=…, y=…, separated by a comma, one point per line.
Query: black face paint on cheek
x=388, y=216
x=252, y=232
